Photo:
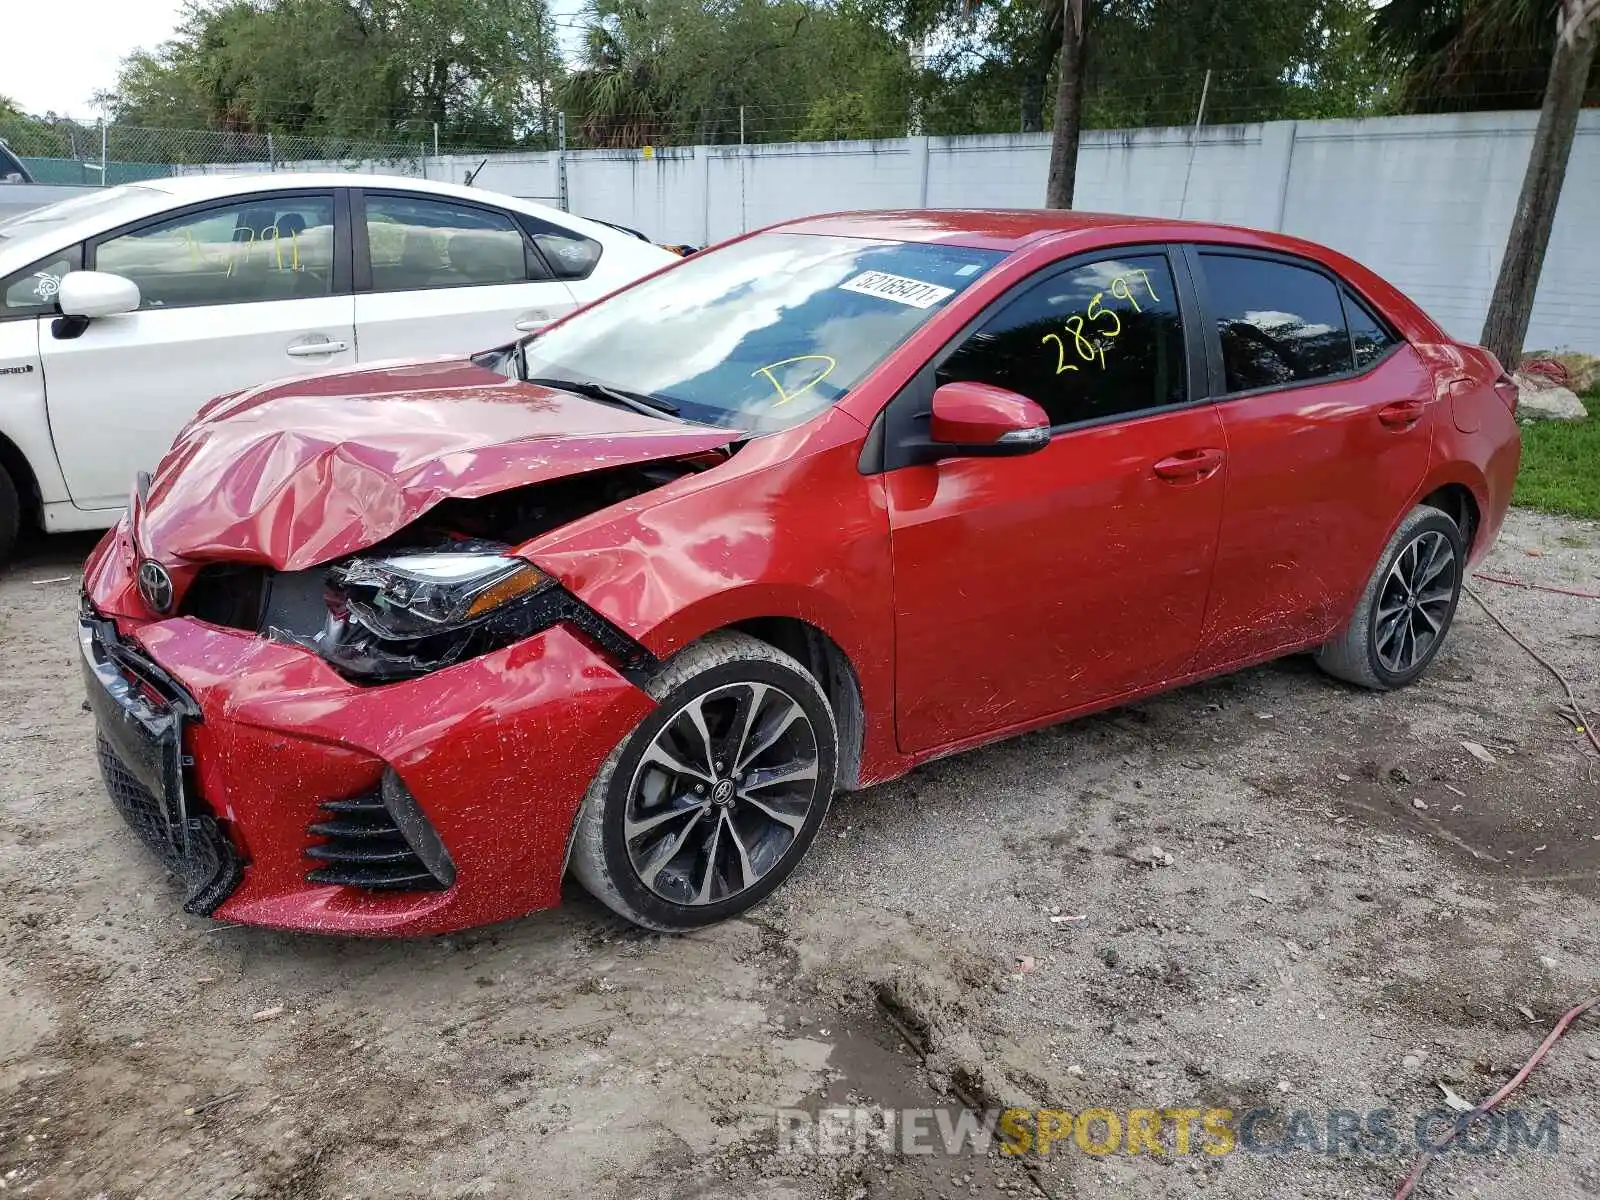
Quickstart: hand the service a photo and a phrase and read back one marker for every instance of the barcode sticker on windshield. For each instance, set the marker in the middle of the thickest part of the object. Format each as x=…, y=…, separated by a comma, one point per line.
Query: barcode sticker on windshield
x=897, y=288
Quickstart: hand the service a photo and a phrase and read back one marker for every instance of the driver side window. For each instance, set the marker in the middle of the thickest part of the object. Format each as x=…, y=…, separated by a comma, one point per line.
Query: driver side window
x=1093, y=342
x=1279, y=324
x=268, y=247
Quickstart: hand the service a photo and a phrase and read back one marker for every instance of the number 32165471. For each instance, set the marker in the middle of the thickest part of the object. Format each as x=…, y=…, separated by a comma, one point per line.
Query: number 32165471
x=1093, y=348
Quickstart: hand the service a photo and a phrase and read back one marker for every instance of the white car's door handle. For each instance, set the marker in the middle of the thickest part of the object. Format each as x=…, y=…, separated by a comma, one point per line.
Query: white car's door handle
x=314, y=349
x=529, y=324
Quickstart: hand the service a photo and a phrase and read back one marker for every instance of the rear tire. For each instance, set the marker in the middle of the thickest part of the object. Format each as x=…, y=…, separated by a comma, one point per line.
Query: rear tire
x=1406, y=610
x=715, y=797
x=10, y=516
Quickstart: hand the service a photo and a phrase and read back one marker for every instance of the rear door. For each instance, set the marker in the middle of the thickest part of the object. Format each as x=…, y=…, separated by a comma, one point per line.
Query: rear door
x=1328, y=416
x=437, y=275
x=233, y=294
x=1028, y=587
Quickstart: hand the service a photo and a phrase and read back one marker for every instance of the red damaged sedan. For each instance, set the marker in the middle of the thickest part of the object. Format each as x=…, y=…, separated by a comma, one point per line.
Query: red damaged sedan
x=388, y=651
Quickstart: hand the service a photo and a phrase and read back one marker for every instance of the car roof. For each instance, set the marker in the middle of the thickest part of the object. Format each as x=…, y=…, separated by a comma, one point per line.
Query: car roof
x=1011, y=229
x=178, y=191
x=186, y=189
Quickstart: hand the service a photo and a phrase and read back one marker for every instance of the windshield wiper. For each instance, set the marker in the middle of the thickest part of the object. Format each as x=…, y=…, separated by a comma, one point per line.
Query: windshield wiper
x=650, y=406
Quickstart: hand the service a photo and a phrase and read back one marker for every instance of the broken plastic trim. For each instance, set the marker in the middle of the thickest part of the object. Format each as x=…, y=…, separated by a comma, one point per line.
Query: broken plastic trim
x=380, y=841
x=417, y=830
x=363, y=657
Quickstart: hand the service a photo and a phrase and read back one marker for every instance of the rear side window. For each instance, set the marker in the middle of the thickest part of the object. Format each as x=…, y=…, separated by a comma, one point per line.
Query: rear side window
x=1278, y=324
x=1368, y=337
x=1093, y=342
x=570, y=255
x=423, y=243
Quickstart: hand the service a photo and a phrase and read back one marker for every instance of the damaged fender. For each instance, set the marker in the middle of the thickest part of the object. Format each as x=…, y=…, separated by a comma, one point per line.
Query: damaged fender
x=803, y=540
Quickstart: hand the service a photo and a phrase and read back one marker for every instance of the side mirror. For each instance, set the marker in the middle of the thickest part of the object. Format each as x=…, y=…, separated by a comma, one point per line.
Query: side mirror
x=976, y=420
x=96, y=294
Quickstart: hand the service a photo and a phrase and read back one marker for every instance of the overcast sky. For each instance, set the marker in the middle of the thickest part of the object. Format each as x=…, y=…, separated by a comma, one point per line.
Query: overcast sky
x=56, y=54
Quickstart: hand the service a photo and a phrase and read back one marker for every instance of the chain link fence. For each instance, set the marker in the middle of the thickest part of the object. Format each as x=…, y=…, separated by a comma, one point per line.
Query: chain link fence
x=93, y=153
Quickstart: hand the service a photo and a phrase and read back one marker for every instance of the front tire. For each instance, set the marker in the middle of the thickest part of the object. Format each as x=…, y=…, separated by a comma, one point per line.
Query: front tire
x=1407, y=607
x=714, y=798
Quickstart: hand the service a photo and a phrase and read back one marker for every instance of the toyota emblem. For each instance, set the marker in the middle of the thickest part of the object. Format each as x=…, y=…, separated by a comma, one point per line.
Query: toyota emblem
x=155, y=586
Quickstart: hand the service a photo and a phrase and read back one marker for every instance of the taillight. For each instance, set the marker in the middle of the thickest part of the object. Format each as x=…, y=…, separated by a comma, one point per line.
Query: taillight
x=1506, y=389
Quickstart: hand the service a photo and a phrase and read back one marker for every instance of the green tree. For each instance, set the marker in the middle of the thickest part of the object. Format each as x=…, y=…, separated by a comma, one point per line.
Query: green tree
x=837, y=118
x=1138, y=63
x=483, y=71
x=1466, y=55
x=685, y=70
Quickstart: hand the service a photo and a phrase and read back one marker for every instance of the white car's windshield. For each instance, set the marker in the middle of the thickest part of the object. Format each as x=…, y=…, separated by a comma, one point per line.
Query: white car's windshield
x=130, y=198
x=760, y=335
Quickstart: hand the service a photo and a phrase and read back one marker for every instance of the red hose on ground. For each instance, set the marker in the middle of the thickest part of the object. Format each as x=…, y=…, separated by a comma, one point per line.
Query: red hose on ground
x=1537, y=587
x=1585, y=725
x=1427, y=1156
x=1572, y=1014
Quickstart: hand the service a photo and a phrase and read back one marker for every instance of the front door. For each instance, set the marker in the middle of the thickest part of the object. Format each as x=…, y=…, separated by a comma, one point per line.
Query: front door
x=1027, y=587
x=232, y=295
x=1328, y=416
x=443, y=276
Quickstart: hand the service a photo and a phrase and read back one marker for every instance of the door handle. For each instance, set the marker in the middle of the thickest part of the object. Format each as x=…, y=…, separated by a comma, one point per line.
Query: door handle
x=1190, y=464
x=313, y=349
x=1402, y=414
x=534, y=318
x=529, y=326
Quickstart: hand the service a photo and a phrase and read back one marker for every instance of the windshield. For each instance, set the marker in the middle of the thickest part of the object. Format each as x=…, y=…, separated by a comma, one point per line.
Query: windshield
x=760, y=335
x=132, y=198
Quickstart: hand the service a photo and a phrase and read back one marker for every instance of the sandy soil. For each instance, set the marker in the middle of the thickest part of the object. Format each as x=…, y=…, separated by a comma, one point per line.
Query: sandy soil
x=1355, y=910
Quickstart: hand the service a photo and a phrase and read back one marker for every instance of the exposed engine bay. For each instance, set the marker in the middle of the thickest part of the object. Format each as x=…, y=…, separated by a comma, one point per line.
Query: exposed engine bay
x=447, y=587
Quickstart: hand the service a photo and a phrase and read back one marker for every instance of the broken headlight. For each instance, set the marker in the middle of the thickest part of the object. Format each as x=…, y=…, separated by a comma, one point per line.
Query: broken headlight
x=399, y=615
x=408, y=596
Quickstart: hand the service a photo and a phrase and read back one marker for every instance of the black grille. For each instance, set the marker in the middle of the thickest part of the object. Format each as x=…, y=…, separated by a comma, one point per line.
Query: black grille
x=193, y=848
x=363, y=846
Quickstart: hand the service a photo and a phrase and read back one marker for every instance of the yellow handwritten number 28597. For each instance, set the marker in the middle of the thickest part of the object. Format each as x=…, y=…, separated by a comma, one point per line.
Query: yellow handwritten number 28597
x=1090, y=349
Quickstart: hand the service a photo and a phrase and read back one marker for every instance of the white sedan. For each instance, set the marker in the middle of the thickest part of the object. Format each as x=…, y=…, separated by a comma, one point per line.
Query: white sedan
x=123, y=311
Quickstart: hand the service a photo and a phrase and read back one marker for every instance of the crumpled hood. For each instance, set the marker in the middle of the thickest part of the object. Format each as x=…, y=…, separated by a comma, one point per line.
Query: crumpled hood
x=298, y=472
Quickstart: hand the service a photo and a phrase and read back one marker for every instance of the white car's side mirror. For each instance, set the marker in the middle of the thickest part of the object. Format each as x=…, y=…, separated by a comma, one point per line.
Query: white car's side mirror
x=96, y=294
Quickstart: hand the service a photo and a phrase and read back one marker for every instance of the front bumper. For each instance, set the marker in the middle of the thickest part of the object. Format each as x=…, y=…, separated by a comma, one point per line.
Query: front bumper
x=139, y=716
x=257, y=738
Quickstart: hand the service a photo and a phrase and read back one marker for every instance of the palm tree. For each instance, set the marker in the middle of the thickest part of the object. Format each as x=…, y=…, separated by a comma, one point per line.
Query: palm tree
x=616, y=89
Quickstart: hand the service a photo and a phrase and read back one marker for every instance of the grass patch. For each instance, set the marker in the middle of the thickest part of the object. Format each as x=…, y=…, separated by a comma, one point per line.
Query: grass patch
x=1561, y=464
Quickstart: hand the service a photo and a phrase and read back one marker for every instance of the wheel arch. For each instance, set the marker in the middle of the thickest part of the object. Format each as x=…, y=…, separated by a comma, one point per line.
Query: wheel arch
x=23, y=478
x=1456, y=500
x=832, y=668
x=812, y=643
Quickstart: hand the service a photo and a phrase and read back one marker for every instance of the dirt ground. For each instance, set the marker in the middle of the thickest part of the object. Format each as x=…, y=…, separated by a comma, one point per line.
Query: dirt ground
x=1355, y=909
